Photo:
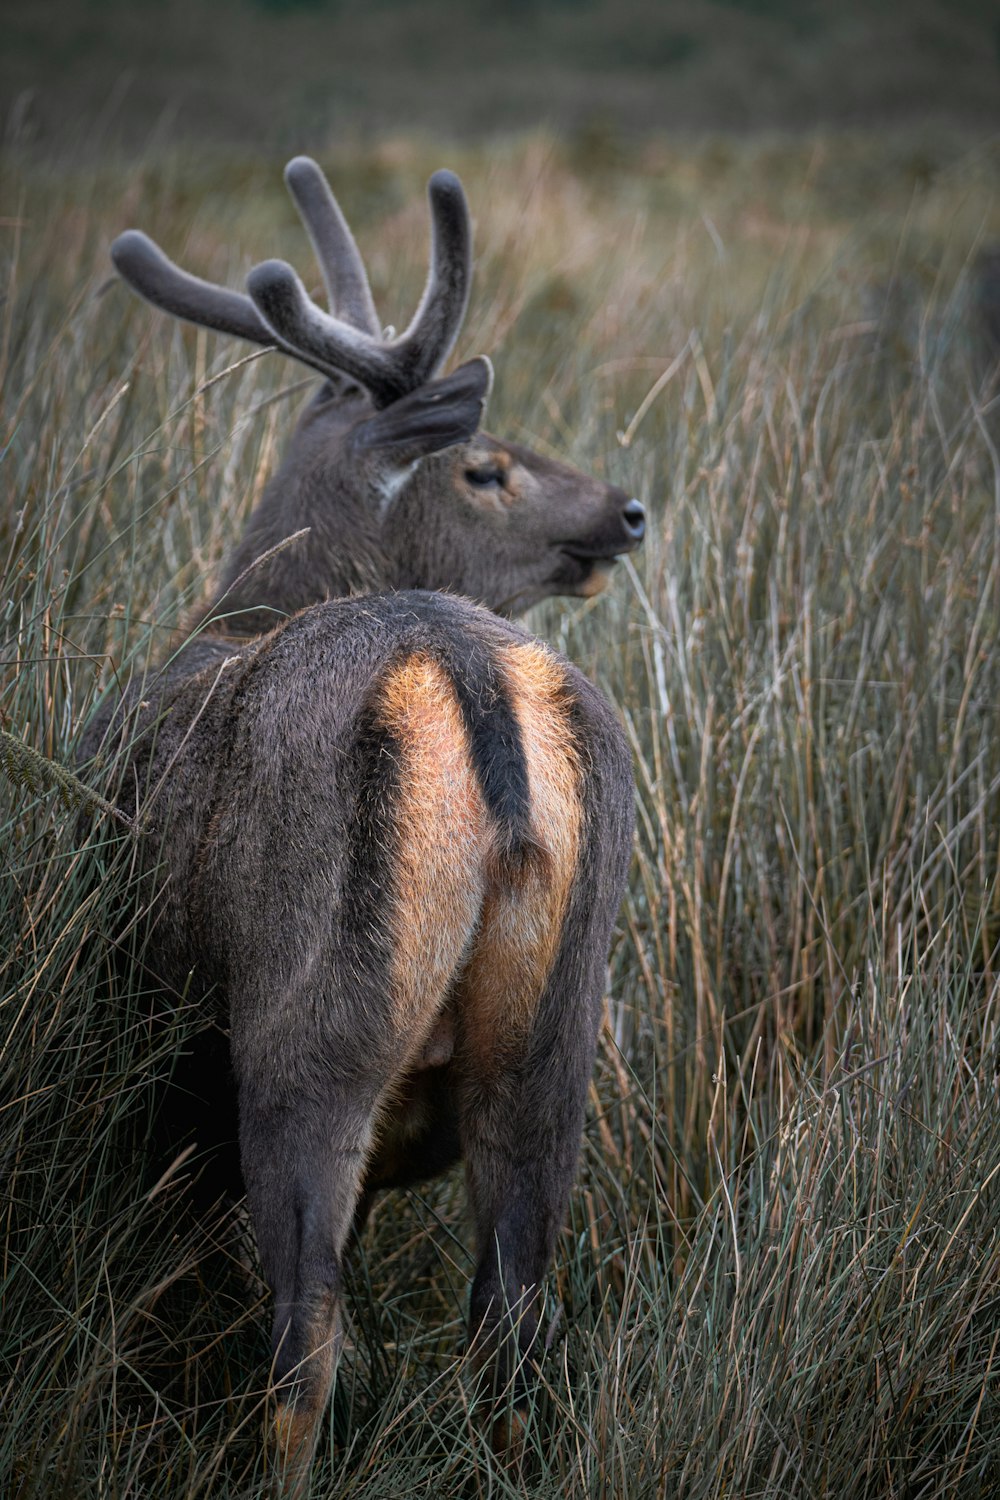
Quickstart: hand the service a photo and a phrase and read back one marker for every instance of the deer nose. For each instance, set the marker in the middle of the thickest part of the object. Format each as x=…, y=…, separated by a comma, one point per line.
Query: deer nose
x=635, y=521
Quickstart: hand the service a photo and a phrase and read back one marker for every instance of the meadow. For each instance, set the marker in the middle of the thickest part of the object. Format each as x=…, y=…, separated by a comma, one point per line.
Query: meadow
x=781, y=1271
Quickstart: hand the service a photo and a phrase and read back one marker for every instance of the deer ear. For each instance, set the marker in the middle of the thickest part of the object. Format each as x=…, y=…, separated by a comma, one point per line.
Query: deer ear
x=434, y=416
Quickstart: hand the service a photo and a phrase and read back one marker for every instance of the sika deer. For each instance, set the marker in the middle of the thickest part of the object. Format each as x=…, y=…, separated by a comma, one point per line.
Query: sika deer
x=395, y=828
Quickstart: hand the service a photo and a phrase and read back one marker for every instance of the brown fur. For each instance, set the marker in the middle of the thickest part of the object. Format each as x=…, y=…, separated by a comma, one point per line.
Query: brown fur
x=443, y=843
x=463, y=918
x=522, y=920
x=453, y=898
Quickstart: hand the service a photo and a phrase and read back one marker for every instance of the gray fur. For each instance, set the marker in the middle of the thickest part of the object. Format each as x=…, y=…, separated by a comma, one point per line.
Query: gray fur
x=390, y=368
x=270, y=792
x=144, y=266
x=344, y=275
x=439, y=532
x=289, y=320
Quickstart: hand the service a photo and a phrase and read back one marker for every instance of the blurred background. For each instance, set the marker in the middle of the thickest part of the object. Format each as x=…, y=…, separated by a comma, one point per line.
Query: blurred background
x=302, y=71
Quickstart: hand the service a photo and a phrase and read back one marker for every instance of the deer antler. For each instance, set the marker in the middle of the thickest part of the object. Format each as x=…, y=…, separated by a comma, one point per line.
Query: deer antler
x=141, y=262
x=387, y=368
x=280, y=314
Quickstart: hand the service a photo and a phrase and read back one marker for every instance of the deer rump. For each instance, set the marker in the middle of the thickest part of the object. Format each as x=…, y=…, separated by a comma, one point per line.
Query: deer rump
x=395, y=832
x=398, y=809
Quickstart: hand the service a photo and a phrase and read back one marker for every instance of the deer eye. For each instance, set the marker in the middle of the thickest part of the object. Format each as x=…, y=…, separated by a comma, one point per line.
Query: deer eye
x=484, y=476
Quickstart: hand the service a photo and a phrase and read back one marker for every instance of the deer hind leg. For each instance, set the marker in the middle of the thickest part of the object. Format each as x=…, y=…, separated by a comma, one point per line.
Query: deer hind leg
x=319, y=1064
x=530, y=1011
x=308, y=1134
x=525, y=1083
x=307, y=1142
x=522, y=1118
x=305, y=1133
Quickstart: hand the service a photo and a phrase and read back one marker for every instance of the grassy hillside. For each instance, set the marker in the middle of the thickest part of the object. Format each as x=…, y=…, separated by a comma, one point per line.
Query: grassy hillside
x=781, y=1270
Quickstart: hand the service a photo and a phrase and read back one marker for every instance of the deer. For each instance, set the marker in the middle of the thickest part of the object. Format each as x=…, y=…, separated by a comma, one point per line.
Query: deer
x=390, y=828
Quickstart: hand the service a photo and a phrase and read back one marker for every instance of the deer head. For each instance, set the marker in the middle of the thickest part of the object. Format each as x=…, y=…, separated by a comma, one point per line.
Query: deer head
x=389, y=468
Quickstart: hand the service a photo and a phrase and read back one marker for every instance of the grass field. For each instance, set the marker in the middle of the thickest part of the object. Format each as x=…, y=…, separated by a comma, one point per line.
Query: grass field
x=781, y=1273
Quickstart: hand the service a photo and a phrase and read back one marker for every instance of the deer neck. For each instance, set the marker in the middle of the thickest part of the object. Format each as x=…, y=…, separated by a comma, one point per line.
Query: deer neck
x=311, y=538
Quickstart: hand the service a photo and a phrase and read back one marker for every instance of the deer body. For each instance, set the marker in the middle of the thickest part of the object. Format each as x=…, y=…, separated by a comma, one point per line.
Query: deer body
x=394, y=827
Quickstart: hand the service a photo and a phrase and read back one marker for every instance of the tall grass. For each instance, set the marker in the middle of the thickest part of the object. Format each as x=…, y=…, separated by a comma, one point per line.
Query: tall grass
x=781, y=1274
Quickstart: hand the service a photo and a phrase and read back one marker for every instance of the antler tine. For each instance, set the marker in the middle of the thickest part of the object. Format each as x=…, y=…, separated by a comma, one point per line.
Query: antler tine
x=425, y=345
x=149, y=272
x=141, y=262
x=327, y=342
x=339, y=259
x=388, y=370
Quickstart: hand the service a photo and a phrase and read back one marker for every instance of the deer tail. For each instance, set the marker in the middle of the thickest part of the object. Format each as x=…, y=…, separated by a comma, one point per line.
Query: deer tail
x=497, y=753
